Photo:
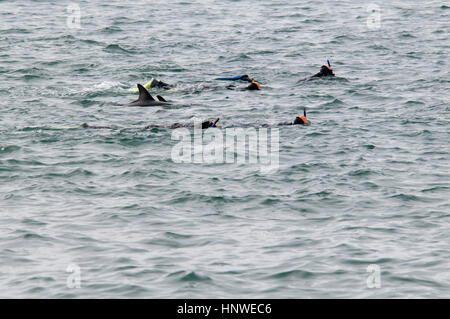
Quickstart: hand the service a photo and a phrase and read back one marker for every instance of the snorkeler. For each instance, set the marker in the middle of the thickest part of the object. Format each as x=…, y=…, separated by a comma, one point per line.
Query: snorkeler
x=254, y=85
x=301, y=119
x=298, y=120
x=205, y=124
x=325, y=70
x=157, y=84
x=154, y=83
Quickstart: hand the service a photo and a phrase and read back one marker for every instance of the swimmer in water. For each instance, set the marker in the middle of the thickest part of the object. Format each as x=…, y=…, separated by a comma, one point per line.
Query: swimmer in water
x=157, y=84
x=254, y=85
x=325, y=71
x=243, y=77
x=154, y=83
x=301, y=119
x=298, y=120
x=205, y=125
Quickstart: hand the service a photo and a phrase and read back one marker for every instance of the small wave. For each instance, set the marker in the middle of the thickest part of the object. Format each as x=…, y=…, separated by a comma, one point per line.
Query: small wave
x=86, y=102
x=97, y=89
x=34, y=236
x=177, y=236
x=29, y=77
x=92, y=42
x=436, y=189
x=111, y=29
x=407, y=35
x=116, y=48
x=416, y=281
x=361, y=172
x=9, y=149
x=413, y=102
x=355, y=261
x=335, y=102
x=25, y=162
x=195, y=277
x=16, y=30
x=29, y=221
x=406, y=197
x=76, y=172
x=378, y=47
x=297, y=273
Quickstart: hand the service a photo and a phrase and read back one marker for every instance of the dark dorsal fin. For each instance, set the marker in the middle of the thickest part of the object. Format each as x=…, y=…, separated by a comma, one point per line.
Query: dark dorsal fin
x=143, y=94
x=304, y=112
x=161, y=98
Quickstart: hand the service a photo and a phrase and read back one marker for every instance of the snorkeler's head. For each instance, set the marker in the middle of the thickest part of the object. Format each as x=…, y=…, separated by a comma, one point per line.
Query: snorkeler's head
x=325, y=70
x=301, y=119
x=210, y=123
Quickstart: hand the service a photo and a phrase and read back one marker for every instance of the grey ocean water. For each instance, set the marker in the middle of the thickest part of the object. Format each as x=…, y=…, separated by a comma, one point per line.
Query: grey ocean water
x=368, y=183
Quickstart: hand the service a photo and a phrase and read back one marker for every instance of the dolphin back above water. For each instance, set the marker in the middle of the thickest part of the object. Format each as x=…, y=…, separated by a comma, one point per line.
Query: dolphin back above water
x=145, y=99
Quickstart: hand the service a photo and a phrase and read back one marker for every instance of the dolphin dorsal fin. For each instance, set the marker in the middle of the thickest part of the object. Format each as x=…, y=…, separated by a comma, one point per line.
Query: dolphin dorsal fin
x=304, y=112
x=160, y=98
x=143, y=94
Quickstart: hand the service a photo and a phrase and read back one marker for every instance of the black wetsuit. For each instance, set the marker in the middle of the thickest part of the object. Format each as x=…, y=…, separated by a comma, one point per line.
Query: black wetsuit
x=324, y=71
x=160, y=84
x=205, y=125
x=250, y=87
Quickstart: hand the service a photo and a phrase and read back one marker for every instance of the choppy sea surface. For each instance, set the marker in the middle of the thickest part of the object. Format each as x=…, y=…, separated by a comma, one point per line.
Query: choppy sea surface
x=359, y=206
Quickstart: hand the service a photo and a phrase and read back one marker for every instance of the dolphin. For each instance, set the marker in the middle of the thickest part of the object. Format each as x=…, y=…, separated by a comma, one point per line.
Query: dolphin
x=145, y=99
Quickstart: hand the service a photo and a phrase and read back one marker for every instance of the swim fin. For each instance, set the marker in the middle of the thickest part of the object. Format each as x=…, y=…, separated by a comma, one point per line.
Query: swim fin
x=233, y=78
x=146, y=85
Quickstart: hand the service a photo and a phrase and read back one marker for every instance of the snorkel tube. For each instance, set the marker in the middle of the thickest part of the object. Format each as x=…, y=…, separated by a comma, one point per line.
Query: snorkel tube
x=326, y=69
x=214, y=123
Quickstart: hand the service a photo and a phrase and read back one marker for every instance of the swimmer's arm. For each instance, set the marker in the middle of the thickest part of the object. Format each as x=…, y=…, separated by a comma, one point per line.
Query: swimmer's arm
x=284, y=123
